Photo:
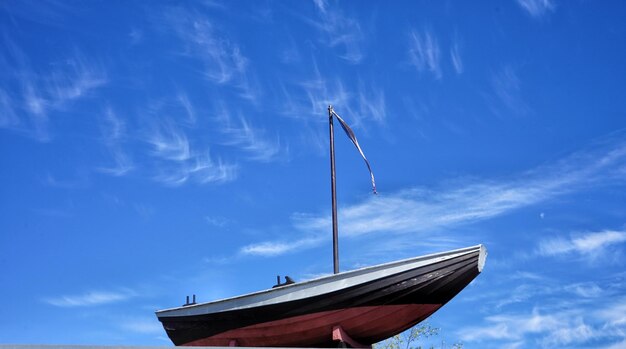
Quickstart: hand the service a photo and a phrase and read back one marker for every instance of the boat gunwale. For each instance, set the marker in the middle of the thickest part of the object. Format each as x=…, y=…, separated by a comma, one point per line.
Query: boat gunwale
x=479, y=248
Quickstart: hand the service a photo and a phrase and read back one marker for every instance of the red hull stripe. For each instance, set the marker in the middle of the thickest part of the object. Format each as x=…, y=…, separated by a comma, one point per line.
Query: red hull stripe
x=366, y=325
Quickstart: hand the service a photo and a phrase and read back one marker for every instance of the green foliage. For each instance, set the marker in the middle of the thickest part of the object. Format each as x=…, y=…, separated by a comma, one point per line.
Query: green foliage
x=411, y=338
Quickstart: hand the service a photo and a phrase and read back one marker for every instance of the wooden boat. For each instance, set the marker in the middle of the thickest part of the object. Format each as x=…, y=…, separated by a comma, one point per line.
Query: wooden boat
x=357, y=308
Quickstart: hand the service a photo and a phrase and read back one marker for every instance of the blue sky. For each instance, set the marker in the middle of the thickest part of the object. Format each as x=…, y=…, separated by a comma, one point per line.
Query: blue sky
x=153, y=150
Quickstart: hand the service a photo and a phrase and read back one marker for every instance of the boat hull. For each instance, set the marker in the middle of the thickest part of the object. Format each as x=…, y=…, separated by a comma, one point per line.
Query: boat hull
x=365, y=324
x=369, y=311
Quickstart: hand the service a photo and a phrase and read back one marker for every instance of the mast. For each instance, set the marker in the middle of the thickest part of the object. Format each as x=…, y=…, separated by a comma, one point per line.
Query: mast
x=333, y=191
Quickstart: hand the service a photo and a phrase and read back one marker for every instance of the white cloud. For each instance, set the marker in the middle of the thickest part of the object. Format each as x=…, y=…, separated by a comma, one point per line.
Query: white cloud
x=359, y=104
x=424, y=53
x=189, y=109
x=200, y=168
x=38, y=93
x=554, y=329
x=113, y=128
x=524, y=292
x=371, y=104
x=206, y=170
x=136, y=36
x=169, y=142
x=37, y=110
x=506, y=98
x=217, y=221
x=427, y=211
x=455, y=55
x=614, y=315
x=269, y=249
x=173, y=159
x=142, y=325
x=224, y=62
x=253, y=141
x=8, y=117
x=585, y=289
x=122, y=163
x=556, y=325
x=620, y=345
x=77, y=79
x=92, y=298
x=80, y=181
x=492, y=331
x=422, y=210
x=593, y=243
x=536, y=8
x=35, y=104
x=341, y=31
x=321, y=5
x=113, y=131
x=320, y=93
x=290, y=54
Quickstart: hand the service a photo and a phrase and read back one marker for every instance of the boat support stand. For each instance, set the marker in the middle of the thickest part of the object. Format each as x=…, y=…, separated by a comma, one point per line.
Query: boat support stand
x=344, y=339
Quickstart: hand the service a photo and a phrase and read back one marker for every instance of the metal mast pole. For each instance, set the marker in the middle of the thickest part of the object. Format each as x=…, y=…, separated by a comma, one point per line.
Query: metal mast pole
x=333, y=191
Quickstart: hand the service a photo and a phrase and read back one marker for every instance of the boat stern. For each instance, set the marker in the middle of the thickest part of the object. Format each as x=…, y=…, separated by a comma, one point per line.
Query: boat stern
x=482, y=257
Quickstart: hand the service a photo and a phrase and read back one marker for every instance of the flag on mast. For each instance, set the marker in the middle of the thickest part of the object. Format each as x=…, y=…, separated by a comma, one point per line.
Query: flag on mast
x=352, y=137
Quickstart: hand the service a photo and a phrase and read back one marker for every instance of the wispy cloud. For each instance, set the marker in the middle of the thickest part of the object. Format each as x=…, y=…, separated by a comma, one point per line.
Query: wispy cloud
x=113, y=128
x=217, y=221
x=361, y=103
x=591, y=244
x=189, y=109
x=76, y=79
x=615, y=315
x=556, y=325
x=541, y=289
x=80, y=181
x=341, y=31
x=427, y=211
x=141, y=325
x=171, y=156
x=200, y=168
x=8, y=116
x=555, y=329
x=290, y=54
x=307, y=101
x=584, y=289
x=319, y=93
x=31, y=94
x=163, y=150
x=269, y=249
x=92, y=298
x=371, y=104
x=253, y=141
x=424, y=52
x=122, y=163
x=455, y=56
x=113, y=131
x=620, y=345
x=169, y=142
x=506, y=96
x=537, y=8
x=224, y=61
x=589, y=312
x=135, y=35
